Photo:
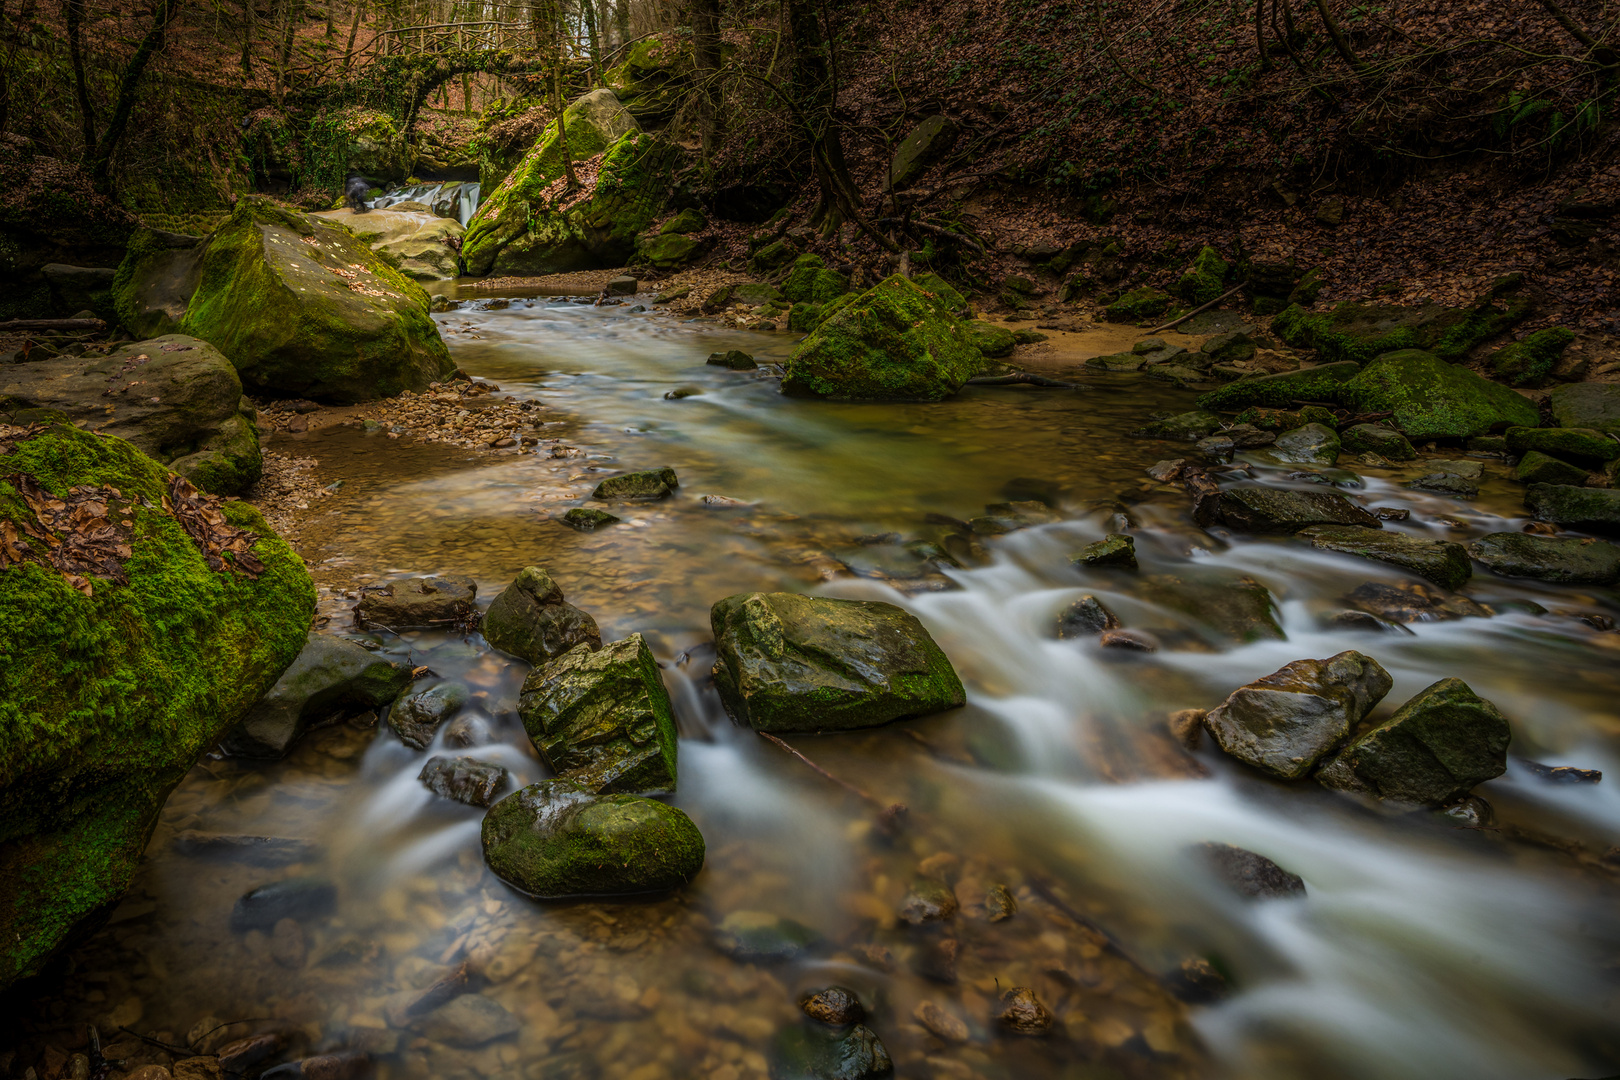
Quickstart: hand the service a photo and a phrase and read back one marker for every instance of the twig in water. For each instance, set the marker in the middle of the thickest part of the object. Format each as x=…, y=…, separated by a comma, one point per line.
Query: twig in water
x=1177, y=322
x=889, y=814
x=1020, y=377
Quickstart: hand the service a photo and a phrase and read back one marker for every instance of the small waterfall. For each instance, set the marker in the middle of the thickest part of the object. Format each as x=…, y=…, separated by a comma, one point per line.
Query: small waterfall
x=452, y=200
x=467, y=204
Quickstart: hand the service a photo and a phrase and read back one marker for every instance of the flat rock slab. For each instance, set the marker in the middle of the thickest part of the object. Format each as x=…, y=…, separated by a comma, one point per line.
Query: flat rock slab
x=789, y=662
x=419, y=604
x=1184, y=427
x=1412, y=603
x=1440, y=561
x=1280, y=510
x=1592, y=508
x=1567, y=560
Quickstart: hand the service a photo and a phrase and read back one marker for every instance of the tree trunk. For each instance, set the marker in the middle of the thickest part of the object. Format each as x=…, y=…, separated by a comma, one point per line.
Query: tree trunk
x=250, y=20
x=354, y=32
x=816, y=91
x=706, y=62
x=1340, y=43
x=621, y=19
x=545, y=18
x=73, y=15
x=127, y=86
x=588, y=10
x=1260, y=34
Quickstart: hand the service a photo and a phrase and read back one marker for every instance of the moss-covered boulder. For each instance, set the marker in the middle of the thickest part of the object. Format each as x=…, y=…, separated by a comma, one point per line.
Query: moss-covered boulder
x=1258, y=509
x=920, y=150
x=1146, y=302
x=1434, y=749
x=302, y=307
x=1432, y=399
x=666, y=251
x=175, y=398
x=533, y=224
x=602, y=719
x=789, y=662
x=812, y=282
x=1591, y=405
x=1183, y=427
x=1567, y=560
x=894, y=342
x=149, y=626
x=943, y=290
x=1378, y=439
x=654, y=77
x=154, y=282
x=1323, y=382
x=993, y=342
x=1565, y=504
x=530, y=619
x=1205, y=279
x=1530, y=362
x=1572, y=444
x=554, y=839
x=1359, y=332
x=1441, y=561
x=1538, y=468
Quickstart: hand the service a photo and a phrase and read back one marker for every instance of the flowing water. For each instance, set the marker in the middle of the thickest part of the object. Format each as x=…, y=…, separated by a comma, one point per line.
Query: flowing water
x=1422, y=949
x=455, y=199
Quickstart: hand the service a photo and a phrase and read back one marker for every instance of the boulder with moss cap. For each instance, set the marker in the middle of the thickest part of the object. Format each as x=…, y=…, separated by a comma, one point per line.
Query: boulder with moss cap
x=1285, y=722
x=530, y=619
x=118, y=678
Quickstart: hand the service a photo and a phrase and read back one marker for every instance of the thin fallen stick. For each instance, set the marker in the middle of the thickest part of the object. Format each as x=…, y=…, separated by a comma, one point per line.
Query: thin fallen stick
x=53, y=324
x=1177, y=322
x=845, y=784
x=1017, y=377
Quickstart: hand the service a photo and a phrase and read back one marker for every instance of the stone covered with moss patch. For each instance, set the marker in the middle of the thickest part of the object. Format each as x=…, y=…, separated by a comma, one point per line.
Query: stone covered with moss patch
x=1205, y=279
x=789, y=662
x=654, y=77
x=1530, y=362
x=154, y=282
x=1359, y=332
x=1321, y=383
x=530, y=619
x=993, y=342
x=812, y=282
x=1146, y=302
x=302, y=307
x=554, y=839
x=942, y=289
x=894, y=342
x=1432, y=399
x=107, y=700
x=666, y=251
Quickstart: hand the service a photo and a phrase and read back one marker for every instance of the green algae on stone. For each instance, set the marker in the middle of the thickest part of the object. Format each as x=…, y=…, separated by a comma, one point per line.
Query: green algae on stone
x=1324, y=382
x=643, y=484
x=942, y=290
x=811, y=282
x=602, y=718
x=1566, y=560
x=666, y=251
x=690, y=220
x=107, y=700
x=1530, y=362
x=302, y=307
x=1115, y=549
x=555, y=840
x=1440, y=561
x=531, y=620
x=1432, y=399
x=1579, y=444
x=1593, y=405
x=734, y=359
x=1256, y=509
x=585, y=518
x=1538, y=468
x=1308, y=444
x=1205, y=280
x=993, y=342
x=1565, y=504
x=154, y=282
x=789, y=662
x=1146, y=302
x=1184, y=427
x=894, y=342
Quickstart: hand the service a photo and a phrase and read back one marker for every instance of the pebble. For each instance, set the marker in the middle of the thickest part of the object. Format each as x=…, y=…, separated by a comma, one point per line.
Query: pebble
x=941, y=1023
x=835, y=1005
x=1022, y=1013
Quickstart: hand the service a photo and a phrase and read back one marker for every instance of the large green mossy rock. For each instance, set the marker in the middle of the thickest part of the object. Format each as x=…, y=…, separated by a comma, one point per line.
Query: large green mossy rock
x=530, y=619
x=1583, y=507
x=1359, y=332
x=1146, y=302
x=920, y=150
x=1205, y=279
x=602, y=719
x=1433, y=399
x=1323, y=382
x=789, y=662
x=993, y=342
x=943, y=290
x=174, y=397
x=301, y=306
x=532, y=224
x=1530, y=362
x=554, y=839
x=894, y=342
x=107, y=699
x=666, y=251
x=653, y=78
x=1575, y=444
x=1434, y=749
x=812, y=282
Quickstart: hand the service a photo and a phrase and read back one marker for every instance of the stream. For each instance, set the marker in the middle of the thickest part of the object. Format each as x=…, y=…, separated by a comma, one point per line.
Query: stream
x=1423, y=948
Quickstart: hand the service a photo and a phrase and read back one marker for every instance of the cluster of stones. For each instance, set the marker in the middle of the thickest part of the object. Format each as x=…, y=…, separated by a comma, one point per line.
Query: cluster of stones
x=461, y=413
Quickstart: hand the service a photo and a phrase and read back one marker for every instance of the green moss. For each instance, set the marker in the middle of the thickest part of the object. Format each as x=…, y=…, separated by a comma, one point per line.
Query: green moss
x=810, y=282
x=1432, y=399
x=1139, y=304
x=107, y=700
x=666, y=250
x=941, y=288
x=1580, y=444
x=1530, y=362
x=687, y=221
x=994, y=342
x=772, y=257
x=1322, y=383
x=804, y=318
x=1359, y=332
x=1205, y=280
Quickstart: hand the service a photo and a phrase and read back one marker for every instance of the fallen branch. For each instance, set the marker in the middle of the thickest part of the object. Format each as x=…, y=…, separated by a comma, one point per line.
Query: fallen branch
x=1020, y=377
x=936, y=230
x=1177, y=322
x=892, y=810
x=53, y=324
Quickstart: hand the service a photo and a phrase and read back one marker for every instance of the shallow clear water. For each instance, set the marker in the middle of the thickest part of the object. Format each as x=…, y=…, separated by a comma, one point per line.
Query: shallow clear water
x=1422, y=949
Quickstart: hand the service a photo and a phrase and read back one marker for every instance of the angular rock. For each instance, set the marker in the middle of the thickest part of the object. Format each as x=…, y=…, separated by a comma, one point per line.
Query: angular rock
x=1238, y=609
x=1457, y=478
x=419, y=604
x=154, y=282
x=302, y=307
x=1118, y=362
x=555, y=839
x=1433, y=399
x=175, y=398
x=1312, y=444
x=928, y=901
x=1436, y=748
x=1597, y=509
x=602, y=719
x=1283, y=723
x=1378, y=439
x=1085, y=617
x=789, y=662
x=666, y=252
x=1115, y=549
x=835, y=1006
x=330, y=675
x=926, y=144
x=1571, y=444
x=423, y=247
x=1538, y=468
x=1279, y=510
x=759, y=935
x=1532, y=361
x=1413, y=602
x=416, y=716
x=585, y=518
x=895, y=342
x=802, y=1053
x=1252, y=875
x=811, y=282
x=1441, y=561
x=1594, y=405
x=466, y=780
x=1566, y=560
x=530, y=620
x=1187, y=427
x=642, y=485
x=296, y=898
x=1022, y=1013
x=736, y=360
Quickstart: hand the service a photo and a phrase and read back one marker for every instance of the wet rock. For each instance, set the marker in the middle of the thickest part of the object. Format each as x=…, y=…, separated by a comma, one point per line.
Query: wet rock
x=1435, y=399
x=759, y=935
x=1473, y=812
x=331, y=675
x=1378, y=439
x=1196, y=982
x=1278, y=510
x=1592, y=405
x=1312, y=444
x=239, y=847
x=802, y=1053
x=1117, y=362
x=1283, y=723
x=1022, y=1013
x=1572, y=444
x=1217, y=448
x=468, y=729
x=1249, y=437
x=1562, y=774
x=999, y=904
x=603, y=719
x=1239, y=609
x=1128, y=640
x=418, y=713
x=1440, y=561
x=1085, y=617
x=1597, y=509
x=585, y=518
x=466, y=780
x=555, y=839
x=834, y=1006
x=1564, y=559
x=1001, y=518
x=939, y=1023
x=238, y=1056
x=1410, y=603
x=196, y=1068
x=1187, y=727
x=419, y=604
x=1186, y=427
x=287, y=945
x=466, y=1021
x=1349, y=619
x=1459, y=478
x=736, y=360
x=295, y=898
x=530, y=620
x=683, y=392
x=935, y=958
x=928, y=901
x=1434, y=749
x=789, y=662
x=1324, y=382
x=1115, y=549
x=646, y=484
x=1252, y=875
x=1538, y=468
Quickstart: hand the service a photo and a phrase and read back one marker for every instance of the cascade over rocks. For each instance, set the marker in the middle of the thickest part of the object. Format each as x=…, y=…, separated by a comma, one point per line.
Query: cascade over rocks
x=789, y=662
x=1441, y=561
x=175, y=398
x=87, y=759
x=331, y=674
x=1281, y=510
